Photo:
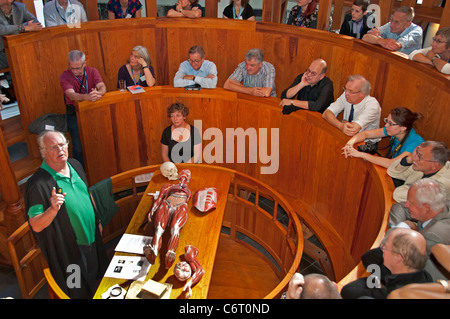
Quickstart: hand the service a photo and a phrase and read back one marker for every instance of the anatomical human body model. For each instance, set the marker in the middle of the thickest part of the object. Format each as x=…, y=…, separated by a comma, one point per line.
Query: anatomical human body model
x=171, y=206
x=190, y=255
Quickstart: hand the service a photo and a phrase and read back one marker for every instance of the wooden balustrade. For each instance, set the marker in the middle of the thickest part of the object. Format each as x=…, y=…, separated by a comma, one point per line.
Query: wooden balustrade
x=122, y=131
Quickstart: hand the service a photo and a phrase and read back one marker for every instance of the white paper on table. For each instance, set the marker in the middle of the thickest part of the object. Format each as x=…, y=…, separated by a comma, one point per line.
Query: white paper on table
x=143, y=178
x=133, y=244
x=128, y=267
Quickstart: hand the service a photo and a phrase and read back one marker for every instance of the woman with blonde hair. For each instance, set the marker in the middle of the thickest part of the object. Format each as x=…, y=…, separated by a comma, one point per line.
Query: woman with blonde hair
x=138, y=70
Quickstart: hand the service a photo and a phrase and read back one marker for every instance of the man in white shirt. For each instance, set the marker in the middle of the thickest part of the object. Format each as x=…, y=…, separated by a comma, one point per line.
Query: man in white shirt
x=196, y=70
x=361, y=111
x=59, y=12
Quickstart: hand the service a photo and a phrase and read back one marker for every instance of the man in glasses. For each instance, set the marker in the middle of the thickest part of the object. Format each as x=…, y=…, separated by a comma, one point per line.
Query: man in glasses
x=361, y=111
x=399, y=261
x=196, y=70
x=438, y=54
x=429, y=160
x=79, y=83
x=63, y=218
x=427, y=211
x=311, y=90
x=400, y=34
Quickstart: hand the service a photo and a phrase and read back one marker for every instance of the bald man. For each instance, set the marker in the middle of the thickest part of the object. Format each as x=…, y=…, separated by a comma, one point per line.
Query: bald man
x=311, y=286
x=403, y=259
x=311, y=90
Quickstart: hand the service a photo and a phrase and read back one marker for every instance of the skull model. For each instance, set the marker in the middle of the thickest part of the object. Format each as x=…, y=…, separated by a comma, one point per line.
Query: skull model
x=169, y=170
x=182, y=271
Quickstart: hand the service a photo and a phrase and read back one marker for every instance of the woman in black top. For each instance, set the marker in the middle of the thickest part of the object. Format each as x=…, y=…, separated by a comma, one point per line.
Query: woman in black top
x=180, y=142
x=239, y=9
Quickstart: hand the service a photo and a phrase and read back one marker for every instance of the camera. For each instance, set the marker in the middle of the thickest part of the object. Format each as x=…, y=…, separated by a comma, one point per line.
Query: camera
x=369, y=147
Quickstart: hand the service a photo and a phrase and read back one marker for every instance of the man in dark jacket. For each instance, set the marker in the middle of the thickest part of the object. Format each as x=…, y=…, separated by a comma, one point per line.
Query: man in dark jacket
x=355, y=23
x=64, y=220
x=401, y=261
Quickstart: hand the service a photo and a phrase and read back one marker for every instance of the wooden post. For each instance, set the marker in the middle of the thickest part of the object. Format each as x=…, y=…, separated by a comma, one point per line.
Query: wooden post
x=152, y=8
x=14, y=213
x=445, y=18
x=323, y=19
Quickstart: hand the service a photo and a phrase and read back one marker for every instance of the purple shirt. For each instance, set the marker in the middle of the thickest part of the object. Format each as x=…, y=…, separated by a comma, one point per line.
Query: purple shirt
x=83, y=84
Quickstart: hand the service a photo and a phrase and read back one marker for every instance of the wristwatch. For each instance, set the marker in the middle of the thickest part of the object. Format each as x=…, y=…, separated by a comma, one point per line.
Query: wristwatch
x=444, y=284
x=434, y=58
x=145, y=67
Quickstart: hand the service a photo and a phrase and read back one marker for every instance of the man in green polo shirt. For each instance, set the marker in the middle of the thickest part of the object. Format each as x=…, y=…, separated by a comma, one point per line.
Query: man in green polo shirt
x=61, y=215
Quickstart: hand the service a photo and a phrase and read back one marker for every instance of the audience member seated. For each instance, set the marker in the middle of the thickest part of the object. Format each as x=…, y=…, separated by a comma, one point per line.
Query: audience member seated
x=438, y=290
x=79, y=83
x=15, y=19
x=429, y=160
x=239, y=9
x=438, y=55
x=400, y=34
x=60, y=12
x=304, y=14
x=185, y=8
x=180, y=142
x=257, y=76
x=138, y=70
x=404, y=139
x=196, y=70
x=426, y=210
x=311, y=90
x=63, y=218
x=355, y=22
x=312, y=286
x=123, y=9
x=399, y=261
x=361, y=111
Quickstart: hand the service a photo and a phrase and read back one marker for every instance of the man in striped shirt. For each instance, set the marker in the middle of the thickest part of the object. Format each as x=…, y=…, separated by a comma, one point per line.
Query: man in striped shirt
x=254, y=76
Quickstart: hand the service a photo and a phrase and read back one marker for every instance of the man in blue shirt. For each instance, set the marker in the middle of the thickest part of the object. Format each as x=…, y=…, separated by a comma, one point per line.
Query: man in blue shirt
x=400, y=34
x=59, y=12
x=196, y=70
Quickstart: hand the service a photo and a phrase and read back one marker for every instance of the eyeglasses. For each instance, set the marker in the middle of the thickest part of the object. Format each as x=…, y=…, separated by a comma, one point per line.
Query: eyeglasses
x=77, y=69
x=383, y=247
x=438, y=41
x=311, y=72
x=420, y=156
x=397, y=21
x=57, y=147
x=350, y=92
x=386, y=121
x=195, y=61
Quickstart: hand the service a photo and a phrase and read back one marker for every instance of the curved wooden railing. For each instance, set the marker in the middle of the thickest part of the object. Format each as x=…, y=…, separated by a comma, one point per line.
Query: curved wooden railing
x=311, y=170
x=285, y=243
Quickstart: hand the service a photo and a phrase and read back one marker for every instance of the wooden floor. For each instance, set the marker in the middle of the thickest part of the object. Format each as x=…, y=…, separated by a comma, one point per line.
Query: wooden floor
x=239, y=273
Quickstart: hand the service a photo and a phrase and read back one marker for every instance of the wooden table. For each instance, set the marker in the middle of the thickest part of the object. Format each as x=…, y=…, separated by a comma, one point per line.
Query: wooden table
x=201, y=230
